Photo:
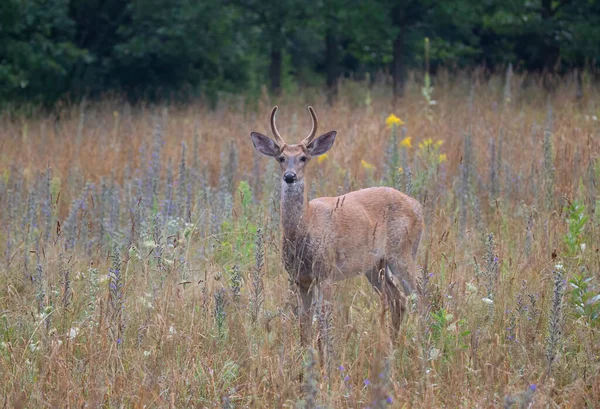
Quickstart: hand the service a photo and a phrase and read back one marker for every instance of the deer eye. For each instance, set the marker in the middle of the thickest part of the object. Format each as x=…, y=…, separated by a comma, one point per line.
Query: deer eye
x=303, y=159
x=280, y=159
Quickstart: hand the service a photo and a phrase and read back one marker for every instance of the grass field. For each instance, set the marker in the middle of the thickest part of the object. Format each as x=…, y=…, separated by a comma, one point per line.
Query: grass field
x=140, y=262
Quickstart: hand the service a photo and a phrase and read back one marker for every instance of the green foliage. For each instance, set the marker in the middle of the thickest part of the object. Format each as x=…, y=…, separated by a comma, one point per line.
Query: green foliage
x=576, y=220
x=174, y=44
x=37, y=53
x=449, y=334
x=585, y=298
x=50, y=49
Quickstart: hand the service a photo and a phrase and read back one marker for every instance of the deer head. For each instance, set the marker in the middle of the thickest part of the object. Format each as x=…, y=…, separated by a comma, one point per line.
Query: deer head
x=293, y=158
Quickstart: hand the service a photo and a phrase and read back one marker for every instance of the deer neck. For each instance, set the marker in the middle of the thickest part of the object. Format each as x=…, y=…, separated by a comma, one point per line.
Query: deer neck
x=294, y=211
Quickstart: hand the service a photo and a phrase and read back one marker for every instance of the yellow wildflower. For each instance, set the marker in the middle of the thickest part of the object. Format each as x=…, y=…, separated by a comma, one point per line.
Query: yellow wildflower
x=393, y=120
x=442, y=158
x=366, y=165
x=439, y=143
x=406, y=142
x=400, y=170
x=426, y=144
x=322, y=158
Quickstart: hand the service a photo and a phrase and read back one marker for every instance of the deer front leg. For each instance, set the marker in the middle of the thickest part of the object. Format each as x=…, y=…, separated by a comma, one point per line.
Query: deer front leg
x=305, y=293
x=325, y=339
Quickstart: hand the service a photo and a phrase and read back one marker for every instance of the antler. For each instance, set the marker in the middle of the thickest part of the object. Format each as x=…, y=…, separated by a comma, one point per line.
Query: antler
x=278, y=137
x=313, y=131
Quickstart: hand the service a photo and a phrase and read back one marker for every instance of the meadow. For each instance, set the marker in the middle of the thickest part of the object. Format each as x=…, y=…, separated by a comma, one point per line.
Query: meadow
x=140, y=263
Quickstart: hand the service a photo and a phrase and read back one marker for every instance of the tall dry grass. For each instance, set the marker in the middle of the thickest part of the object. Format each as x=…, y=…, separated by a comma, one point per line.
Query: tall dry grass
x=130, y=278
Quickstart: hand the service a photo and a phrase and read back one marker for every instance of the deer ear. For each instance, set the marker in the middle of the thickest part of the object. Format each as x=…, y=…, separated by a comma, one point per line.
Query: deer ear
x=264, y=144
x=321, y=144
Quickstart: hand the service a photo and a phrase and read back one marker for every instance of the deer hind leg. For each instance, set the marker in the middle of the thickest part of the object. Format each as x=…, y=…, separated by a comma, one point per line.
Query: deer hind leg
x=390, y=284
x=402, y=276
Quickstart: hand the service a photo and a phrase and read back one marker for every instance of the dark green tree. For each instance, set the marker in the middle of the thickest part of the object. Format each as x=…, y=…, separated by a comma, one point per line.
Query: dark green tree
x=37, y=53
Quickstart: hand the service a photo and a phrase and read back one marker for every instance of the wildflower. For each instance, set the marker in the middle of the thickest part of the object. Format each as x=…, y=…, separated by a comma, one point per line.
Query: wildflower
x=73, y=332
x=426, y=144
x=442, y=158
x=367, y=382
x=322, y=158
x=393, y=120
x=406, y=142
x=347, y=378
x=400, y=170
x=389, y=400
x=439, y=143
x=366, y=165
x=488, y=301
x=146, y=353
x=341, y=368
x=434, y=354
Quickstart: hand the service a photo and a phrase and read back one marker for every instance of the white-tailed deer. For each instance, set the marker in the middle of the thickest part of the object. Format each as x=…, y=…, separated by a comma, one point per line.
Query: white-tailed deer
x=374, y=231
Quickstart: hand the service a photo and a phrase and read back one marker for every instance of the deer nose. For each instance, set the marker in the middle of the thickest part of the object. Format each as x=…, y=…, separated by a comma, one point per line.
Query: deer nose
x=289, y=177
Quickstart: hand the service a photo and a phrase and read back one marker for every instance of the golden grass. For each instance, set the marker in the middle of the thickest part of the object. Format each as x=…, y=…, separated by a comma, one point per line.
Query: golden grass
x=170, y=354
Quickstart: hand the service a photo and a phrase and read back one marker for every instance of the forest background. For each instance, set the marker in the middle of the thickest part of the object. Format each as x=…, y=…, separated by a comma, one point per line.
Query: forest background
x=156, y=49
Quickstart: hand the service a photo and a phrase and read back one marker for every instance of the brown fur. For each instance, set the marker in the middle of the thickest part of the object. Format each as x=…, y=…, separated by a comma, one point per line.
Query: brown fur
x=374, y=231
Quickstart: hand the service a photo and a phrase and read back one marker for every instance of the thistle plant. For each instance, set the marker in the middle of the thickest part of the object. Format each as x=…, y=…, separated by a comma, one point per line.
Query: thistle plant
x=409, y=183
x=529, y=234
x=464, y=191
x=235, y=282
x=167, y=208
x=65, y=274
x=548, y=169
x=494, y=186
x=40, y=287
x=555, y=319
x=116, y=299
x=257, y=276
x=92, y=289
x=220, y=313
x=490, y=271
x=181, y=197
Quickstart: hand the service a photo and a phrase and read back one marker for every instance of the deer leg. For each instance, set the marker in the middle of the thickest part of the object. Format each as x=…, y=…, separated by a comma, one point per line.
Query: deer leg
x=325, y=339
x=389, y=285
x=401, y=276
x=305, y=293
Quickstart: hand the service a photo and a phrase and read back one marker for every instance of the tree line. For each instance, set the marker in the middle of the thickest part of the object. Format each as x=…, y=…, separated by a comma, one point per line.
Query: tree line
x=50, y=49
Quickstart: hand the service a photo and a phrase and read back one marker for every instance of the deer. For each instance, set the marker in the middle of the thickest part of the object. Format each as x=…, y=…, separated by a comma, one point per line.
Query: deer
x=373, y=232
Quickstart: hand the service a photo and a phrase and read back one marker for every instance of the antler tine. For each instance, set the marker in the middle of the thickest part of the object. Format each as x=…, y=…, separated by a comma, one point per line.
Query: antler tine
x=278, y=137
x=313, y=131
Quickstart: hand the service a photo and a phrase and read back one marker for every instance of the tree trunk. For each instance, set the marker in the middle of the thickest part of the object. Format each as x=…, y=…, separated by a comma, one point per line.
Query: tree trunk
x=275, y=69
x=397, y=64
x=331, y=64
